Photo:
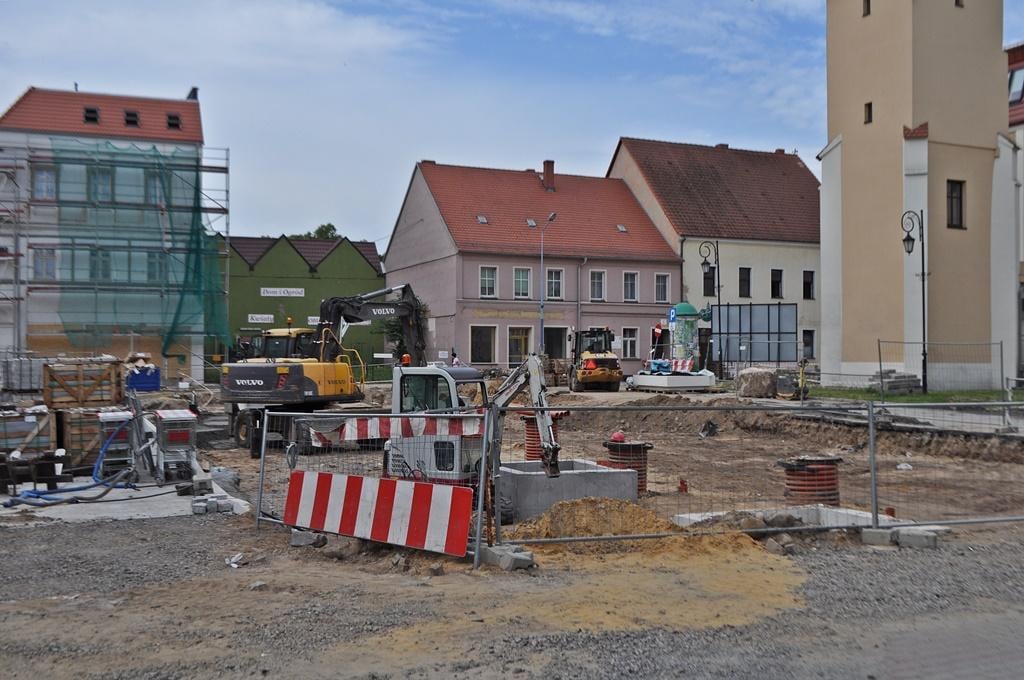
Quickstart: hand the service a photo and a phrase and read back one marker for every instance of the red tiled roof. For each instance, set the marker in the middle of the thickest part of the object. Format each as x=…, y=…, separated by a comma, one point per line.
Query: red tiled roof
x=252, y=248
x=718, y=192
x=368, y=249
x=920, y=132
x=62, y=112
x=314, y=250
x=589, y=208
x=1015, y=59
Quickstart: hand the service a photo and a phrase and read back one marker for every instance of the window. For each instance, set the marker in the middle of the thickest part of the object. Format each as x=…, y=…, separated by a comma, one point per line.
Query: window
x=629, y=337
x=521, y=281
x=955, y=204
x=131, y=118
x=44, y=264
x=777, y=284
x=154, y=188
x=869, y=113
x=156, y=267
x=91, y=115
x=555, y=342
x=958, y=3
x=518, y=345
x=1017, y=86
x=629, y=280
x=709, y=282
x=808, y=344
x=444, y=456
x=867, y=7
x=481, y=344
x=130, y=185
x=173, y=121
x=661, y=284
x=101, y=185
x=744, y=282
x=425, y=393
x=44, y=183
x=596, y=285
x=554, y=284
x=99, y=265
x=808, y=285
x=488, y=282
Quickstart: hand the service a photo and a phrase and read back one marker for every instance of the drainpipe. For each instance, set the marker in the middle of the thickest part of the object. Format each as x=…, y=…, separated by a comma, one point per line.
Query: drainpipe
x=579, y=294
x=682, y=284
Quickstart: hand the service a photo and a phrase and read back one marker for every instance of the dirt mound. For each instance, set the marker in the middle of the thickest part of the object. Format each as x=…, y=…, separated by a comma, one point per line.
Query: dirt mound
x=637, y=423
x=593, y=517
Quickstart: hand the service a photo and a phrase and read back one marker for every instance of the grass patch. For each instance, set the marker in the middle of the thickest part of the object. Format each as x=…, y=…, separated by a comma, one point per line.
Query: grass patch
x=865, y=394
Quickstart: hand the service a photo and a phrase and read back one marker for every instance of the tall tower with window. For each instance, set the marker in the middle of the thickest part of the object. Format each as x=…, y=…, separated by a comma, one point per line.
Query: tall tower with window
x=918, y=122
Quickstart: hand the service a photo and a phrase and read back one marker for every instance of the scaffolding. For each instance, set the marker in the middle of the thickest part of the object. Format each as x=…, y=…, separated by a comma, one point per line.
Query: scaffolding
x=109, y=246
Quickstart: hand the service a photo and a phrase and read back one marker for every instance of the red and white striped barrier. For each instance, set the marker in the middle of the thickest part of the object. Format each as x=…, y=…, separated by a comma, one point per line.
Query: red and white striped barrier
x=354, y=429
x=432, y=517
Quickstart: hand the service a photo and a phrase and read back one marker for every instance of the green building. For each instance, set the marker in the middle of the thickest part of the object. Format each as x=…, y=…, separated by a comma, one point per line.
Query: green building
x=272, y=279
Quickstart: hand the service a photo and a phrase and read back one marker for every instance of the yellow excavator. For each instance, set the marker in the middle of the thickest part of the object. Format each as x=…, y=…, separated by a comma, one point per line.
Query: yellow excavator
x=306, y=369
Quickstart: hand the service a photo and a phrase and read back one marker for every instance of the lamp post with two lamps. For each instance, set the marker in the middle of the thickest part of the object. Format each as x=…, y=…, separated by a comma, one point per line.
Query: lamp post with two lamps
x=910, y=221
x=706, y=249
x=543, y=279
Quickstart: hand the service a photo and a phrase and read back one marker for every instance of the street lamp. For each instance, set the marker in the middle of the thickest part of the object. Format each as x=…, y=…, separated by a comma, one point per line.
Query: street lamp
x=543, y=279
x=706, y=249
x=915, y=220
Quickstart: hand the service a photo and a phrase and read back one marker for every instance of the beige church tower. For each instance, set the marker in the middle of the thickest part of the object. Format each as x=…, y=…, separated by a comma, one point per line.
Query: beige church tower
x=918, y=123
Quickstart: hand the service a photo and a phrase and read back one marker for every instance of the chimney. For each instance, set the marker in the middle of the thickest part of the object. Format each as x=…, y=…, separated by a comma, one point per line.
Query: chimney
x=780, y=151
x=193, y=94
x=721, y=146
x=549, y=175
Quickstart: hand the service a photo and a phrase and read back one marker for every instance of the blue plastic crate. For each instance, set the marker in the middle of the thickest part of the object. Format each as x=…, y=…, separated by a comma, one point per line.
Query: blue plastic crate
x=144, y=381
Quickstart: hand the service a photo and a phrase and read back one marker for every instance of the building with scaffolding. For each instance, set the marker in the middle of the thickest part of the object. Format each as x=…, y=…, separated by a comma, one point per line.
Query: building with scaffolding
x=114, y=228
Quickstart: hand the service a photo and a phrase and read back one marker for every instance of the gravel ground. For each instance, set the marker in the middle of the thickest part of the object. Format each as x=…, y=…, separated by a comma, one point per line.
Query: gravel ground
x=857, y=599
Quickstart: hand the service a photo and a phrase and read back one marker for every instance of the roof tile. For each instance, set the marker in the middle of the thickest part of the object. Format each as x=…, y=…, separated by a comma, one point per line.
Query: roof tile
x=589, y=208
x=61, y=112
x=718, y=192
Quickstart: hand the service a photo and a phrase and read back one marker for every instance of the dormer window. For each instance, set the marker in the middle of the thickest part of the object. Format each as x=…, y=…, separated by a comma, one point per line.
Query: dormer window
x=173, y=121
x=91, y=115
x=622, y=228
x=131, y=118
x=481, y=219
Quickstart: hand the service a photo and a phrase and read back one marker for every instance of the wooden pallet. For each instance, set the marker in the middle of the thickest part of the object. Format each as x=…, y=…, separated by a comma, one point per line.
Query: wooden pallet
x=28, y=432
x=85, y=384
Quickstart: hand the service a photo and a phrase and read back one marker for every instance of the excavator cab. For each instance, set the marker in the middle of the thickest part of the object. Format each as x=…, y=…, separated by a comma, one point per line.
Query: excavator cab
x=437, y=388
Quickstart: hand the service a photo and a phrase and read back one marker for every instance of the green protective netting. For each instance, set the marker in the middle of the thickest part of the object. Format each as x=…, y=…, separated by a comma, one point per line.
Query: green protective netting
x=136, y=252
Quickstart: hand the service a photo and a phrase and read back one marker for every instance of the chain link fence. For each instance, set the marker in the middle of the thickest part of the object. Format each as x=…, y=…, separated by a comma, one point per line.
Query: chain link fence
x=664, y=465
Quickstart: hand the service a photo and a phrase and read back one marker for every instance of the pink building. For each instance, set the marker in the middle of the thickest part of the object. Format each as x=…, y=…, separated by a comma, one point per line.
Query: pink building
x=468, y=240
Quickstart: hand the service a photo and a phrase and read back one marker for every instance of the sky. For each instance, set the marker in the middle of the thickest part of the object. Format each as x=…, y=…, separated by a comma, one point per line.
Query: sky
x=326, y=106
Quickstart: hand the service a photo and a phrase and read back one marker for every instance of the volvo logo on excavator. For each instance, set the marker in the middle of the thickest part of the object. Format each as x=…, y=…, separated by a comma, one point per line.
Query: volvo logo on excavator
x=382, y=311
x=249, y=382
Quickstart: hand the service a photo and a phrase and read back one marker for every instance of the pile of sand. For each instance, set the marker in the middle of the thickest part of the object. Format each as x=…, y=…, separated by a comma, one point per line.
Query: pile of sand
x=593, y=517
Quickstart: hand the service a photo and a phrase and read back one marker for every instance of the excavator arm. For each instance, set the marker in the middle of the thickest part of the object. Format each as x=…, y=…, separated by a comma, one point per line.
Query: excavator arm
x=529, y=374
x=338, y=313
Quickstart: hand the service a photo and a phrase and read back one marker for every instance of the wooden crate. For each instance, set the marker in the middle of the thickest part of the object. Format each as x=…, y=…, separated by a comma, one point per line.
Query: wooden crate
x=83, y=384
x=81, y=435
x=28, y=432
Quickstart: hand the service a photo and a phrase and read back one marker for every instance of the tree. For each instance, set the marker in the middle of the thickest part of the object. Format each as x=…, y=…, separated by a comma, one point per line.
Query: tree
x=325, y=231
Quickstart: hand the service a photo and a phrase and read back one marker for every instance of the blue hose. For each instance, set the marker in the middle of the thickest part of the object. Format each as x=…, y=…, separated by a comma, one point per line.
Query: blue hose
x=48, y=495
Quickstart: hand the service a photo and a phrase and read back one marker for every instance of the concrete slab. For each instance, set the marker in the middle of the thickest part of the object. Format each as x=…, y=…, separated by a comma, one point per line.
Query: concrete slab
x=876, y=536
x=529, y=492
x=125, y=504
x=916, y=538
x=813, y=515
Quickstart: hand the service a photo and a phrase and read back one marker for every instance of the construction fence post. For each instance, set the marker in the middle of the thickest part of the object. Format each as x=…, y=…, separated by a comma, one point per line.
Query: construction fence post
x=873, y=464
x=263, y=466
x=482, y=488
